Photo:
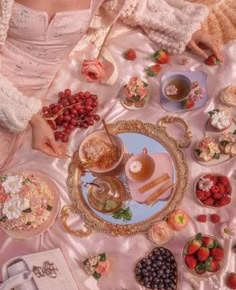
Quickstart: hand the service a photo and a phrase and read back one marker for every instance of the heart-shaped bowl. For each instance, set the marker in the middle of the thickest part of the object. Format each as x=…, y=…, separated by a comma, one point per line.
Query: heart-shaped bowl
x=158, y=270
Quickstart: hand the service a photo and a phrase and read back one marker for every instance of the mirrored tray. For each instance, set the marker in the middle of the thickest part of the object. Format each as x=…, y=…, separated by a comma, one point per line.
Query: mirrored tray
x=135, y=136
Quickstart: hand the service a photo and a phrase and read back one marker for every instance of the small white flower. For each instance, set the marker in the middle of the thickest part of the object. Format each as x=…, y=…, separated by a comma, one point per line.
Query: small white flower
x=13, y=208
x=228, y=231
x=205, y=184
x=13, y=184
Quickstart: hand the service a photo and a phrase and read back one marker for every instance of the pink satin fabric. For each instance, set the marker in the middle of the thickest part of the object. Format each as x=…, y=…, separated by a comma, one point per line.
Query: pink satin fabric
x=124, y=252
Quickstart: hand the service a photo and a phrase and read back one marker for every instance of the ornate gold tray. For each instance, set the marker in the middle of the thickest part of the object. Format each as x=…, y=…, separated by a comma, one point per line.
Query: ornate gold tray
x=135, y=135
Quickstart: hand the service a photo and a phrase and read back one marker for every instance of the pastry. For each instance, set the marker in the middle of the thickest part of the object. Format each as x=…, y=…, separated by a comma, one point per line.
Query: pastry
x=25, y=201
x=227, y=143
x=228, y=96
x=207, y=149
x=220, y=120
x=97, y=266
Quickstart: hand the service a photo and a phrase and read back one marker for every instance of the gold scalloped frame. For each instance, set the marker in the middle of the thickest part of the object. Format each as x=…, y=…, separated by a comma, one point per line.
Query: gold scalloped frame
x=94, y=222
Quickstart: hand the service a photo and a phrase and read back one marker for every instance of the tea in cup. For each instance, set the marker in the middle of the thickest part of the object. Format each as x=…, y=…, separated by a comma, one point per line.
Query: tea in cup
x=140, y=167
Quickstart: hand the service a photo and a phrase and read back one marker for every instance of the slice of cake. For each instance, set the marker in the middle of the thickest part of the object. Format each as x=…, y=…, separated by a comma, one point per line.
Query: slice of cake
x=25, y=201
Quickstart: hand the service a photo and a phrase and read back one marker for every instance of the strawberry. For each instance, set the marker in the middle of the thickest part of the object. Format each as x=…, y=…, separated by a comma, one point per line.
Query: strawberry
x=212, y=266
x=161, y=56
x=212, y=60
x=129, y=54
x=215, y=189
x=217, y=195
x=152, y=70
x=215, y=218
x=194, y=244
x=201, y=218
x=231, y=281
x=217, y=254
x=188, y=103
x=221, y=188
x=208, y=242
x=223, y=201
x=190, y=261
x=209, y=201
x=223, y=179
x=228, y=188
x=203, y=253
x=200, y=268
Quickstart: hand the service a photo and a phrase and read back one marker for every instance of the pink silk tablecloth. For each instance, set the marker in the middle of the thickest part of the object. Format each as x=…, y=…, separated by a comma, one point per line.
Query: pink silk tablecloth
x=124, y=252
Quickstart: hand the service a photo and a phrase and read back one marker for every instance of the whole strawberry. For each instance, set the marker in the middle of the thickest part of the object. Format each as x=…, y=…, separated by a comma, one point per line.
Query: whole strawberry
x=161, y=56
x=231, y=281
x=194, y=245
x=152, y=70
x=188, y=103
x=190, y=261
x=203, y=253
x=212, y=60
x=130, y=54
x=217, y=254
x=212, y=266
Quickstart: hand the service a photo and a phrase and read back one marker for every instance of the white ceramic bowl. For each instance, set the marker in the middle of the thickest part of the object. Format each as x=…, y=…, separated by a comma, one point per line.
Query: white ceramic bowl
x=176, y=78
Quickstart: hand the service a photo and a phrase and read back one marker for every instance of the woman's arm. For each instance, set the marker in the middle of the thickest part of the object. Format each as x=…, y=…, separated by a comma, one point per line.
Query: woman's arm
x=171, y=24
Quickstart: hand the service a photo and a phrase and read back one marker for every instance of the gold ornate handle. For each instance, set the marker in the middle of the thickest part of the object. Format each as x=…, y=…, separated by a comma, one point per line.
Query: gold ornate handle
x=187, y=137
x=64, y=217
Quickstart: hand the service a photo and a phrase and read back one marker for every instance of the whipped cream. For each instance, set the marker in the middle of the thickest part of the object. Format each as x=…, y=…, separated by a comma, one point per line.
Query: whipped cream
x=135, y=166
x=220, y=120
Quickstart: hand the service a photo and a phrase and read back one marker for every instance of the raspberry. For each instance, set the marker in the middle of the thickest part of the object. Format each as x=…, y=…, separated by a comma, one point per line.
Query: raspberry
x=201, y=218
x=223, y=179
x=228, y=189
x=223, y=201
x=215, y=218
x=215, y=189
x=221, y=188
x=209, y=201
x=218, y=195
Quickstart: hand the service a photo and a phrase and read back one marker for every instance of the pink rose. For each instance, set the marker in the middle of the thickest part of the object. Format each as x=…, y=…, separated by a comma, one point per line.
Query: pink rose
x=103, y=267
x=93, y=70
x=142, y=92
x=160, y=233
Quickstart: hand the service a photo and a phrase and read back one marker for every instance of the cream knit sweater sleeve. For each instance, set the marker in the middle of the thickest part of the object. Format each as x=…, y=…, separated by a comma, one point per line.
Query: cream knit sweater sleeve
x=16, y=110
x=169, y=23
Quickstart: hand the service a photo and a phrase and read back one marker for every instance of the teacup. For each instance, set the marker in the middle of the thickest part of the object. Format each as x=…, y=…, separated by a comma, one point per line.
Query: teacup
x=176, y=88
x=140, y=167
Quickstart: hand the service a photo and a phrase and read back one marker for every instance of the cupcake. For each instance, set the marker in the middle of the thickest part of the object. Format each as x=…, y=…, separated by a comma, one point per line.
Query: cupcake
x=220, y=120
x=207, y=149
x=135, y=93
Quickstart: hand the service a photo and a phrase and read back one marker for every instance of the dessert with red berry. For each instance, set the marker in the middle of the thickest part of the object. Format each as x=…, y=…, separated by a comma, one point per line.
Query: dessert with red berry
x=70, y=112
x=203, y=255
x=220, y=120
x=213, y=190
x=227, y=143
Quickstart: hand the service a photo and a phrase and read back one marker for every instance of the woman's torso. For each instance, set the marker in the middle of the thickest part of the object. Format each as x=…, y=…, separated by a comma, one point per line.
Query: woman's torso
x=39, y=41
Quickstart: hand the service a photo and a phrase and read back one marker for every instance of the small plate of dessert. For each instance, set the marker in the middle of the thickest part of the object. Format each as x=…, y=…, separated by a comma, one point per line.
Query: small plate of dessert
x=219, y=143
x=203, y=255
x=29, y=204
x=213, y=190
x=228, y=96
x=135, y=94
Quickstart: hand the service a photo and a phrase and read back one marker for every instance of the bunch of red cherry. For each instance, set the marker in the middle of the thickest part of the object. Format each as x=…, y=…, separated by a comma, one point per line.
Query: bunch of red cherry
x=70, y=112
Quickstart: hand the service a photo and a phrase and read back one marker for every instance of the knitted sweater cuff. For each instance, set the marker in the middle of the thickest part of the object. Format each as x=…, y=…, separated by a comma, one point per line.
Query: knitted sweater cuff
x=168, y=23
x=16, y=110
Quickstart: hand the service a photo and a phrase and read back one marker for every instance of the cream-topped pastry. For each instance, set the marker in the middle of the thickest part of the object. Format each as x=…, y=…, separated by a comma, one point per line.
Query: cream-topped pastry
x=220, y=120
x=228, y=96
x=207, y=149
x=227, y=143
x=25, y=201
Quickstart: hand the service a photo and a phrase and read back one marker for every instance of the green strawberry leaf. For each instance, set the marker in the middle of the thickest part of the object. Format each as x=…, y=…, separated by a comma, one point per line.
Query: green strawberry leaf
x=198, y=236
x=224, y=142
x=198, y=151
x=103, y=257
x=216, y=156
x=96, y=275
x=3, y=219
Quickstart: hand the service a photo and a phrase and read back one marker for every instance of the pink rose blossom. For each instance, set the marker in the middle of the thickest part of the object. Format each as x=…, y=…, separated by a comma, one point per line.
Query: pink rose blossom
x=103, y=267
x=160, y=233
x=93, y=70
x=142, y=92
